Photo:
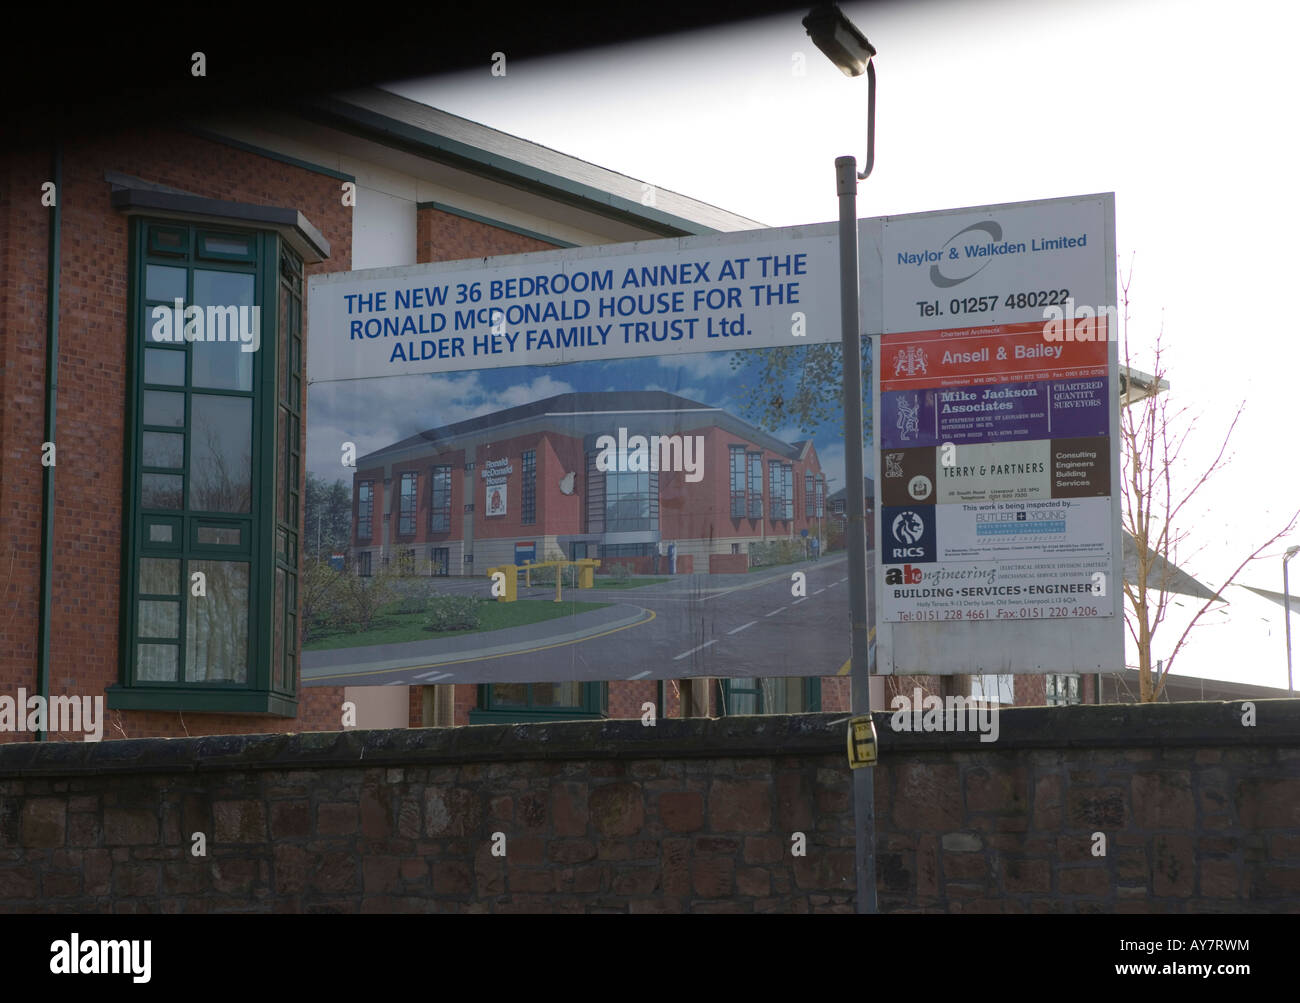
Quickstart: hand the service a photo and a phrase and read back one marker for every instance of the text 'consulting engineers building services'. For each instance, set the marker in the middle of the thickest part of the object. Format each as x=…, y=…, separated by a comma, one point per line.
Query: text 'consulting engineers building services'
x=649, y=479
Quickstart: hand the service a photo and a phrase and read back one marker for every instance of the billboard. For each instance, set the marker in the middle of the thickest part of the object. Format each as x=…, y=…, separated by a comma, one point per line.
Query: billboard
x=997, y=391
x=673, y=410
x=659, y=407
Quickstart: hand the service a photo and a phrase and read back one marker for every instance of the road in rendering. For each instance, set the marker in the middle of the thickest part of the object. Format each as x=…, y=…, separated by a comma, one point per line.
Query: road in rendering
x=741, y=626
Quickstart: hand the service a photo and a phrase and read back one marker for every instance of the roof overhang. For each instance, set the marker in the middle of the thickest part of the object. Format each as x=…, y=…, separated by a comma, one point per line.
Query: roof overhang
x=292, y=225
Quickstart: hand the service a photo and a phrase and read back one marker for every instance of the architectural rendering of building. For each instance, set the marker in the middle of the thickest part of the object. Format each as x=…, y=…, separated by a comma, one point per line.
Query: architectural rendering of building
x=646, y=478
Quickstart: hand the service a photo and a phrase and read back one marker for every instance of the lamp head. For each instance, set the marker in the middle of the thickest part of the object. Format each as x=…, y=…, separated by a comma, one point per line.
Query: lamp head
x=1292, y=551
x=839, y=40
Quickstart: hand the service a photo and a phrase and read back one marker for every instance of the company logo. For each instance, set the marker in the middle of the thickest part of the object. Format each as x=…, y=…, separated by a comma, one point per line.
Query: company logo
x=994, y=230
x=909, y=418
x=893, y=464
x=908, y=534
x=906, y=575
x=907, y=528
x=920, y=487
x=1035, y=522
x=910, y=361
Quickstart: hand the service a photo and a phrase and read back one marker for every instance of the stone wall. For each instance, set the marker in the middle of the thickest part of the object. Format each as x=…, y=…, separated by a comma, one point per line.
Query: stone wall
x=1199, y=813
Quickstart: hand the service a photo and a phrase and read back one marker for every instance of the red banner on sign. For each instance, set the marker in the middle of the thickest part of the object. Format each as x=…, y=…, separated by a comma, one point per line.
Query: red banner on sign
x=1000, y=353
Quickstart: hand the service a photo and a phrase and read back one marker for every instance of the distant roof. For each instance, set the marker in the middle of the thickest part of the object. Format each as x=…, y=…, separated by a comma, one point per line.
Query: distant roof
x=668, y=412
x=1276, y=597
x=1124, y=687
x=437, y=135
x=868, y=485
x=1178, y=580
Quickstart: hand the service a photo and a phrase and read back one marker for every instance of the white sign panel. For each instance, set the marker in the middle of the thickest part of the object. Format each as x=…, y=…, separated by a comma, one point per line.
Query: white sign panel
x=758, y=289
x=997, y=404
x=995, y=264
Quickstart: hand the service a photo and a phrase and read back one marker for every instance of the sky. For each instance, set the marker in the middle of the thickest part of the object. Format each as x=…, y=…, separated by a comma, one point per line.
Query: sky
x=1186, y=111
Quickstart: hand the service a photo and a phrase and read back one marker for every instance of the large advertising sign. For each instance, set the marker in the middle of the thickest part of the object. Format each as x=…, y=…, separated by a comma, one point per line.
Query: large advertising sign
x=997, y=393
x=618, y=462
x=657, y=407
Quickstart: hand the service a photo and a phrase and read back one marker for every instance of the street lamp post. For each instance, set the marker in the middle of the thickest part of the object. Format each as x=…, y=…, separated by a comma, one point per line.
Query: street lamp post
x=1286, y=606
x=849, y=49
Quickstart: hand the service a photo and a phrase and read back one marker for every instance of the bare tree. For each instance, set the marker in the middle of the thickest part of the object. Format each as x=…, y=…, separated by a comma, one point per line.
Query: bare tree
x=1153, y=433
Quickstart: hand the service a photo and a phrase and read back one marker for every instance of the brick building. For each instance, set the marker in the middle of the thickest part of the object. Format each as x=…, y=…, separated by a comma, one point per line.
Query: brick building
x=691, y=488
x=132, y=461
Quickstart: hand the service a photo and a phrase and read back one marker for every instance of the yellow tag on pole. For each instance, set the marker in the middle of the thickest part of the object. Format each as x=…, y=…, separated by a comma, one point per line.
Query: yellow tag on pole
x=862, y=742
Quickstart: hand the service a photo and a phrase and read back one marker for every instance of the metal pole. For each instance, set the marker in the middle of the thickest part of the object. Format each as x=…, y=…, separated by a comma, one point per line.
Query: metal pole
x=861, y=606
x=1286, y=605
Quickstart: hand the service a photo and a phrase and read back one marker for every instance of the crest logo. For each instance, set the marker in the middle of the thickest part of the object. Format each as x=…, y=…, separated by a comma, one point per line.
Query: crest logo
x=910, y=361
x=909, y=420
x=893, y=464
x=907, y=528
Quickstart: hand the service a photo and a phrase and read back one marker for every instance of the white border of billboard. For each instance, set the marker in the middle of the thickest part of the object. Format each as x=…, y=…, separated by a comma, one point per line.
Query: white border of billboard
x=1073, y=644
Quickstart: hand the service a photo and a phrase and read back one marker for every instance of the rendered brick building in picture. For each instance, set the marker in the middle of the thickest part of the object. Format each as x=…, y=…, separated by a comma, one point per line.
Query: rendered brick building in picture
x=644, y=478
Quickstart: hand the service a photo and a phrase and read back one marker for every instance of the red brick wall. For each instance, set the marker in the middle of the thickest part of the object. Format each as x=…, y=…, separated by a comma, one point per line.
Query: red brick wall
x=728, y=564
x=442, y=236
x=687, y=509
x=91, y=401
x=626, y=698
x=836, y=693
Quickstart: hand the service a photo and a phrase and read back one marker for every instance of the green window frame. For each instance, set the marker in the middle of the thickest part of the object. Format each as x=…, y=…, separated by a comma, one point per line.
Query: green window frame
x=772, y=695
x=212, y=472
x=737, y=455
x=407, y=495
x=440, y=499
x=365, y=510
x=523, y=702
x=528, y=481
x=1061, y=689
x=755, y=485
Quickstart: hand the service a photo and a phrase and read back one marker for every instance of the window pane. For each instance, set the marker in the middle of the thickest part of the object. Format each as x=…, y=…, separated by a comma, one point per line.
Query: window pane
x=162, y=282
x=557, y=694
x=160, y=532
x=229, y=326
x=162, y=407
x=290, y=631
x=160, y=576
x=221, y=536
x=156, y=663
x=163, y=449
x=225, y=244
x=164, y=366
x=510, y=695
x=221, y=437
x=742, y=701
x=160, y=490
x=216, y=625
x=168, y=240
x=277, y=641
x=283, y=346
x=159, y=619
